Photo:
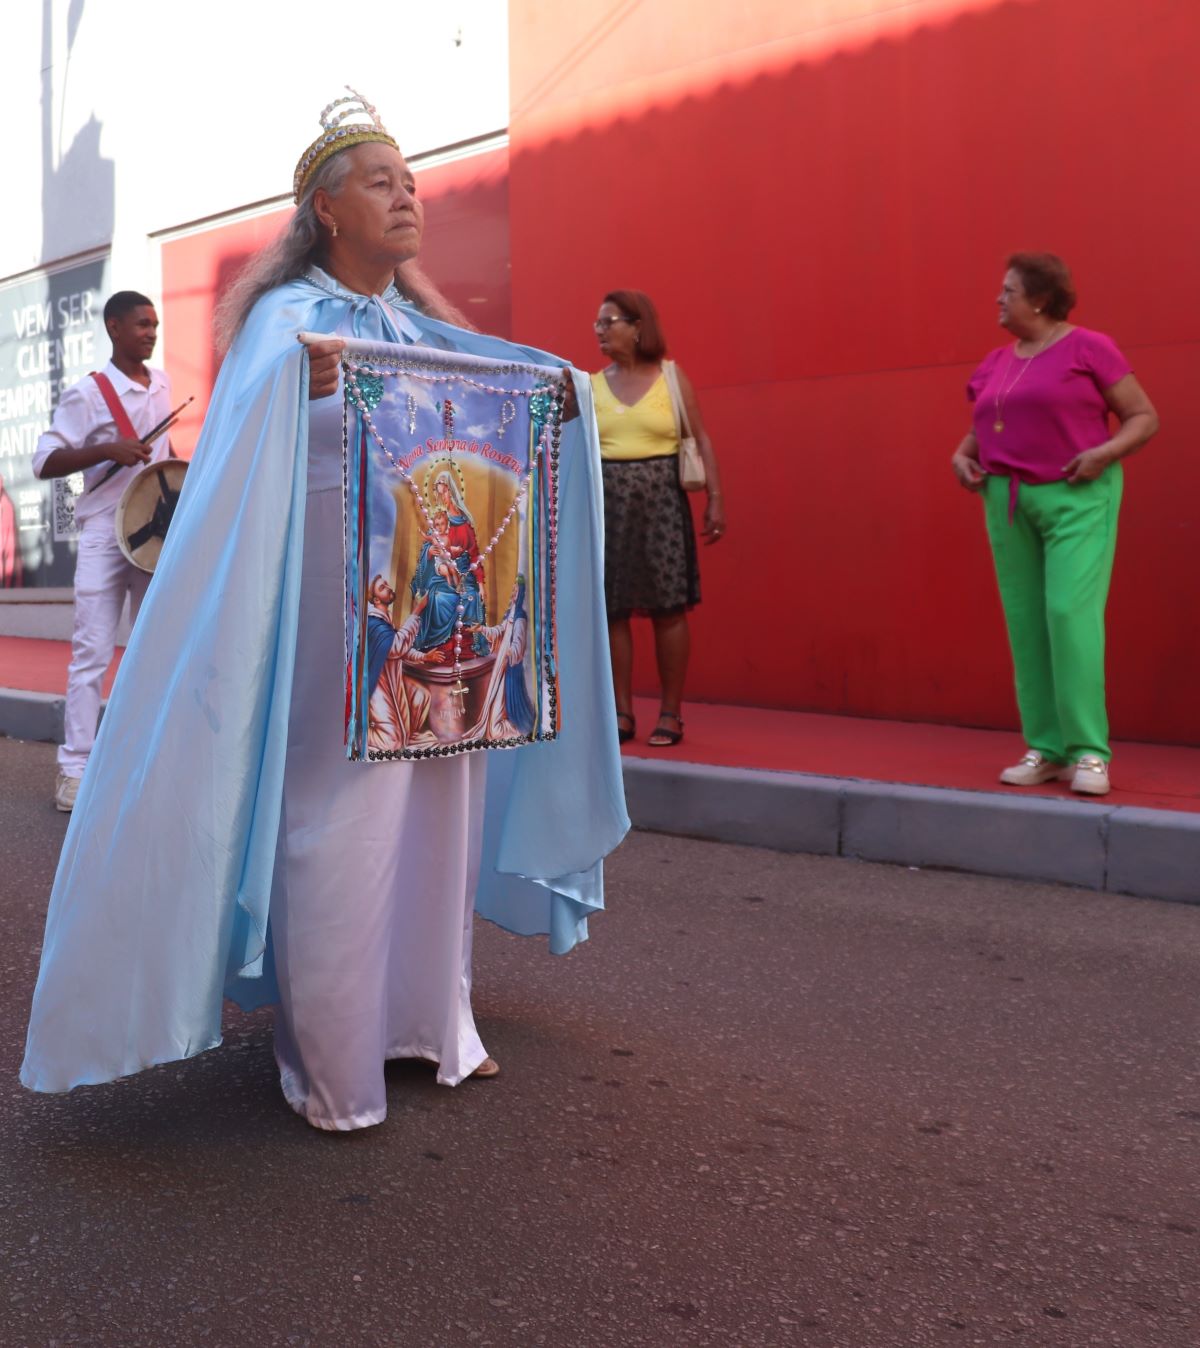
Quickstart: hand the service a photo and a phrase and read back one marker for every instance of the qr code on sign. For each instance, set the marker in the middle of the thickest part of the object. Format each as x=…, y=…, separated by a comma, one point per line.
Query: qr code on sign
x=66, y=490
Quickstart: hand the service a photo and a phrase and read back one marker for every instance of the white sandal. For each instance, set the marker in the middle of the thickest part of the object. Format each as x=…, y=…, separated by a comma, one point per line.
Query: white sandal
x=1091, y=777
x=1033, y=770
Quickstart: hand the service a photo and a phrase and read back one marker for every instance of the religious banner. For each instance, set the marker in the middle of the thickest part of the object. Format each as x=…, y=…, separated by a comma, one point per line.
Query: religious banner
x=451, y=529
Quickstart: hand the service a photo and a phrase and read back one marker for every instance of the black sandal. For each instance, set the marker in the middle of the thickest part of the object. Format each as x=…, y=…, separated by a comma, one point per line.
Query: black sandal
x=625, y=733
x=660, y=736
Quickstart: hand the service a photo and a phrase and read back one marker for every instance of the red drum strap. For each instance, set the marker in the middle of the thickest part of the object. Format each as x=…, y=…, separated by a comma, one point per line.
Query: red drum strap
x=115, y=406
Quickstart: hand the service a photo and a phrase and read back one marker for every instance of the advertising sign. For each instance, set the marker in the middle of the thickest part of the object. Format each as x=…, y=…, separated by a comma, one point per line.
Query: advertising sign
x=51, y=334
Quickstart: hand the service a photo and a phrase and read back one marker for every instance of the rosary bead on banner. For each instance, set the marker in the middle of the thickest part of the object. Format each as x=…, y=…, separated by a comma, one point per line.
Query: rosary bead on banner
x=508, y=413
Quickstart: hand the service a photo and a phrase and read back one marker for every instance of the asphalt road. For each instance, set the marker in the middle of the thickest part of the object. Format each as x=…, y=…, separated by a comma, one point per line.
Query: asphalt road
x=775, y=1100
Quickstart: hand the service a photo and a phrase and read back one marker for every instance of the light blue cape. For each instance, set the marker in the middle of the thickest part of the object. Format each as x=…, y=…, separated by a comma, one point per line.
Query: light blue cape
x=160, y=904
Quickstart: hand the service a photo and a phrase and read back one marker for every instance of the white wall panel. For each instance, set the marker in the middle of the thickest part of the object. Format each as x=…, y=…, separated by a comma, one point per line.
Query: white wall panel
x=138, y=118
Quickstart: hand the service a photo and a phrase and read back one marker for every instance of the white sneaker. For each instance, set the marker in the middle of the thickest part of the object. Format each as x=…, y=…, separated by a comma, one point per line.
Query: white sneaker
x=65, y=790
x=1091, y=777
x=1033, y=770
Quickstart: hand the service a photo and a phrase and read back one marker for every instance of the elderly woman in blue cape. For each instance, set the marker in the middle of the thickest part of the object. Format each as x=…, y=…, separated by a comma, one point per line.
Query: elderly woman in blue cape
x=222, y=843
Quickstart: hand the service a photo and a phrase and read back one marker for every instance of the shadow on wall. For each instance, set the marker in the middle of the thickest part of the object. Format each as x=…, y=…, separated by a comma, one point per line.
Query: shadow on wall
x=466, y=242
x=825, y=241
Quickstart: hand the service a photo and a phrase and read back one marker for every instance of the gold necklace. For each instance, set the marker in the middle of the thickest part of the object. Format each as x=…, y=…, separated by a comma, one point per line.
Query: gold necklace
x=1002, y=393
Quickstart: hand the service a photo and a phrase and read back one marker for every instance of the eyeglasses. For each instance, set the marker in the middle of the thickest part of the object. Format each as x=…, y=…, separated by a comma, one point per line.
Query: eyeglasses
x=603, y=324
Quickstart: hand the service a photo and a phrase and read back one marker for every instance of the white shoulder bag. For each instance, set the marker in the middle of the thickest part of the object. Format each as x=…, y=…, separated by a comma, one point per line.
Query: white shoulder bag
x=691, y=465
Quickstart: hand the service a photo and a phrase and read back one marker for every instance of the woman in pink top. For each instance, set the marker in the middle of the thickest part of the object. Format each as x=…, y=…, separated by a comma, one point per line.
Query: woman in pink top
x=1041, y=451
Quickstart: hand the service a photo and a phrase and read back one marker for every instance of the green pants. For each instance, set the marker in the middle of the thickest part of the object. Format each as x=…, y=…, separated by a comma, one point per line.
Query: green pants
x=1053, y=564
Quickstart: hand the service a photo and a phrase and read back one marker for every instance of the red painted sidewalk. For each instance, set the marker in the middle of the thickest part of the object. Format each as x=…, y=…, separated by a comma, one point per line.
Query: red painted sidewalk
x=41, y=666
x=1157, y=776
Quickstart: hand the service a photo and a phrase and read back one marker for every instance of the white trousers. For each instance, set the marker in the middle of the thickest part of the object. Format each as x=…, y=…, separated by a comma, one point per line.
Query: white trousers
x=102, y=580
x=374, y=887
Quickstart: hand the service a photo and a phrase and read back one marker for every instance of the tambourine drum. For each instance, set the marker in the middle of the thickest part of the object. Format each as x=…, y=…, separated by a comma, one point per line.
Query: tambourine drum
x=145, y=510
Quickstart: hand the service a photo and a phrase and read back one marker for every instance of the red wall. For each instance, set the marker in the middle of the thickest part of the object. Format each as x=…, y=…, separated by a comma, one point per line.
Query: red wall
x=821, y=207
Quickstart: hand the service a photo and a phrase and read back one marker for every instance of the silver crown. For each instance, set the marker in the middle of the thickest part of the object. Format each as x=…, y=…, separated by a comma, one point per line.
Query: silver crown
x=338, y=132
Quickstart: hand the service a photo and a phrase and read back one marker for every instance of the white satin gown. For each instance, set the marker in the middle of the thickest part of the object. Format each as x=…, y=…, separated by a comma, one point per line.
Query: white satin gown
x=373, y=898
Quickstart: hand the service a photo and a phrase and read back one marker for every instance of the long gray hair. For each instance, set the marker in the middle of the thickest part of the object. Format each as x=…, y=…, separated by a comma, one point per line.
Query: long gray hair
x=299, y=246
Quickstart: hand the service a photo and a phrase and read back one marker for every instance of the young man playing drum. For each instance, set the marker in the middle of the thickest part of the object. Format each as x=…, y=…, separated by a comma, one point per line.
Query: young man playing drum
x=97, y=426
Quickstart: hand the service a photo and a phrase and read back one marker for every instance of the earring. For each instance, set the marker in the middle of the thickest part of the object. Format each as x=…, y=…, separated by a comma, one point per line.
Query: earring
x=335, y=231
x=1036, y=311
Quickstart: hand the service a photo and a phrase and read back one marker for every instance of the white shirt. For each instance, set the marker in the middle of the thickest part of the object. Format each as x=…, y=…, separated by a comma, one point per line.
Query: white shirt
x=82, y=419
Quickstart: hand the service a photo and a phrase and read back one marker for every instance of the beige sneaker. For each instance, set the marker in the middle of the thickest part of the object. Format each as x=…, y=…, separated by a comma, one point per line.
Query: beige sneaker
x=1091, y=777
x=65, y=790
x=1033, y=770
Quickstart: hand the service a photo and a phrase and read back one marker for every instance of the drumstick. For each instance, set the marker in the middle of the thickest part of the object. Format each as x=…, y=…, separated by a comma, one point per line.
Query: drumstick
x=148, y=439
x=166, y=423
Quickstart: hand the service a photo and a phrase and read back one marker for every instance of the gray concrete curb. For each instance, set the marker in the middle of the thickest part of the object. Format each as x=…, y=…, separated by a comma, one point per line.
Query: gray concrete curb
x=1122, y=849
x=1119, y=848
x=31, y=716
x=34, y=716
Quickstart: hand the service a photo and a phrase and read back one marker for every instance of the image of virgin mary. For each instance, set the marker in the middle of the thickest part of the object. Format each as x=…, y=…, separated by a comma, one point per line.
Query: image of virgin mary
x=444, y=570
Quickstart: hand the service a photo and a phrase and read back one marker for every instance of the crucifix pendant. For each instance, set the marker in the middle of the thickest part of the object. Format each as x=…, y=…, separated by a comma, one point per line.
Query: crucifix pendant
x=997, y=425
x=459, y=691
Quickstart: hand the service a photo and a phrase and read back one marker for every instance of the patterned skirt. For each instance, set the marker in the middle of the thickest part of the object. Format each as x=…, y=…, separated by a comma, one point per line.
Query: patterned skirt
x=649, y=543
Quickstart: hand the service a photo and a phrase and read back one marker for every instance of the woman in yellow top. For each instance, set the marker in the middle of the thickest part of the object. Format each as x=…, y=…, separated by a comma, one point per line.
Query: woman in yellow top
x=649, y=543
